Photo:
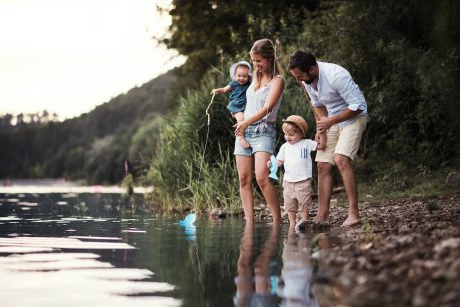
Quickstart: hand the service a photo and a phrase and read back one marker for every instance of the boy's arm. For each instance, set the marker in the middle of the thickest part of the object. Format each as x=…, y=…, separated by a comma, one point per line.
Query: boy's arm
x=221, y=90
x=278, y=162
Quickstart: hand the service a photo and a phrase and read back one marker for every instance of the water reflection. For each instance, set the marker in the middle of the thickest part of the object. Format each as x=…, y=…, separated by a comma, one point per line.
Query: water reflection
x=98, y=249
x=296, y=276
x=61, y=249
x=257, y=286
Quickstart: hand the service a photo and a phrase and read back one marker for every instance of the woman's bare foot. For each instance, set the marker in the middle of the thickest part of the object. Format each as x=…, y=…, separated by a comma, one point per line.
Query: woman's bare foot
x=243, y=142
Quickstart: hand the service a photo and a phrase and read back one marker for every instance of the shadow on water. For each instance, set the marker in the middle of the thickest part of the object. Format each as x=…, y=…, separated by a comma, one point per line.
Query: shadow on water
x=95, y=250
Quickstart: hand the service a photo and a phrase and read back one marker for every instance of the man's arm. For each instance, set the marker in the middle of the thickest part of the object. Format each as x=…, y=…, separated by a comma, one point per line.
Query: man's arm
x=326, y=122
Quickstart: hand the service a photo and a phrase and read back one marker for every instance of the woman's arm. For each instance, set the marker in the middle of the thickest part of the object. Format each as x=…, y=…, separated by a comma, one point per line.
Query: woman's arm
x=272, y=99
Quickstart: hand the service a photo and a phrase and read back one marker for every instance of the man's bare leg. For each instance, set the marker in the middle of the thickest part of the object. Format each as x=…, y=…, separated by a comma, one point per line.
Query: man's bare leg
x=324, y=191
x=351, y=188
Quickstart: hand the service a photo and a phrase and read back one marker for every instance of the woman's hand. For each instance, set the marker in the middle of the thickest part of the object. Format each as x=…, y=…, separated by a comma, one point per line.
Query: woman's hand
x=241, y=127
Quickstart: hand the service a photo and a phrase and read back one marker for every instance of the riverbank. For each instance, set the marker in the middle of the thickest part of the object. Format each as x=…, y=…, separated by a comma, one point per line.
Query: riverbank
x=404, y=253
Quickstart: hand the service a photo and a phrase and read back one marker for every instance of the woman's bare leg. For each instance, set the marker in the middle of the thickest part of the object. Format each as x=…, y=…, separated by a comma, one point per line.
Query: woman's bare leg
x=268, y=189
x=244, y=165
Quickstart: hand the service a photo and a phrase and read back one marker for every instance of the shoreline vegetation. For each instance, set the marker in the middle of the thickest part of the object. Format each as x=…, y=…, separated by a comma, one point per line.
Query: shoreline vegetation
x=407, y=67
x=410, y=145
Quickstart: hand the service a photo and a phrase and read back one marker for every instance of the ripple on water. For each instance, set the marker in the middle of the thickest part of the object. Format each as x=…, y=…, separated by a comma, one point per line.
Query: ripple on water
x=36, y=271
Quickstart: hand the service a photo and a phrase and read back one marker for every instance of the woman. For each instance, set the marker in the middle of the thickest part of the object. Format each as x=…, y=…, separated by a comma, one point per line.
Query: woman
x=263, y=101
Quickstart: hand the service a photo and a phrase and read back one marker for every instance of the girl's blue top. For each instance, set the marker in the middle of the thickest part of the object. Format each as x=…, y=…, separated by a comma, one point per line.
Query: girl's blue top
x=237, y=96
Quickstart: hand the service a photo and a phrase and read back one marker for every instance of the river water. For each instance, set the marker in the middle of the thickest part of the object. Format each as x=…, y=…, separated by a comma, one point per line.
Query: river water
x=100, y=249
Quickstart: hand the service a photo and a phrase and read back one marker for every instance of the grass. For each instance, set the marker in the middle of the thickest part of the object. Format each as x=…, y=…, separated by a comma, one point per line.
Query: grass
x=408, y=186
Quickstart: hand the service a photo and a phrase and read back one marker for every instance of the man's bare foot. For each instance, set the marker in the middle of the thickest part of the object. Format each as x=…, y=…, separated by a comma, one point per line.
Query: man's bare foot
x=243, y=142
x=323, y=221
x=351, y=221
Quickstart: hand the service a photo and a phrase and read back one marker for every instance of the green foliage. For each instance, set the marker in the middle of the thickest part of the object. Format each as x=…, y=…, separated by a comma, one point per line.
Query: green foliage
x=367, y=231
x=92, y=146
x=194, y=167
x=204, y=31
x=128, y=185
x=403, y=55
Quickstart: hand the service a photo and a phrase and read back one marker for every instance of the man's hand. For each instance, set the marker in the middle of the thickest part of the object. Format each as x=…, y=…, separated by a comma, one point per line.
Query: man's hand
x=323, y=124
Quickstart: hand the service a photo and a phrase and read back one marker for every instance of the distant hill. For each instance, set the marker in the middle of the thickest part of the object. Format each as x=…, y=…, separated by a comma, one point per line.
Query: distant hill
x=92, y=146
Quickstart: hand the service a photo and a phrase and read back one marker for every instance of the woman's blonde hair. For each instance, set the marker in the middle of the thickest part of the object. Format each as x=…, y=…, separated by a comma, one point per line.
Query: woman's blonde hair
x=266, y=49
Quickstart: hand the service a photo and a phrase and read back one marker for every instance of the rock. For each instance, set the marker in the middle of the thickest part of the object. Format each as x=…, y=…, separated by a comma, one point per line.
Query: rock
x=218, y=212
x=447, y=244
x=452, y=177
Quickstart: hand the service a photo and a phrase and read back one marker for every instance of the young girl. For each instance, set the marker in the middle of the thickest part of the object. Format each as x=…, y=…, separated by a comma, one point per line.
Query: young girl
x=241, y=79
x=263, y=101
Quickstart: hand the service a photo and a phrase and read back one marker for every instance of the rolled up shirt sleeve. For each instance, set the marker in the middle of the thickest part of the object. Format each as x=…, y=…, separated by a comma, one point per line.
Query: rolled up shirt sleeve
x=336, y=91
x=349, y=91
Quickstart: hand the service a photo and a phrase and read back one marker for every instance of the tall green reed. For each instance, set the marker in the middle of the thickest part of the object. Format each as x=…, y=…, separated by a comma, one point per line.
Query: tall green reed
x=185, y=174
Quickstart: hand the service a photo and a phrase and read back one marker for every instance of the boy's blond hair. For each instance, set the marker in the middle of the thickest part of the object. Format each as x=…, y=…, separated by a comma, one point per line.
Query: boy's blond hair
x=288, y=127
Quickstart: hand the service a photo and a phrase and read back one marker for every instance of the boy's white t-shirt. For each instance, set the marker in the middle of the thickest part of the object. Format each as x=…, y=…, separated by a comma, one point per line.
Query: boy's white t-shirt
x=297, y=160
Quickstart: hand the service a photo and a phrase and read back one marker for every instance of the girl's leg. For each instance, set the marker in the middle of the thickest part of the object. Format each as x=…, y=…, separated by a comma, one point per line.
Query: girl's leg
x=239, y=116
x=244, y=164
x=268, y=189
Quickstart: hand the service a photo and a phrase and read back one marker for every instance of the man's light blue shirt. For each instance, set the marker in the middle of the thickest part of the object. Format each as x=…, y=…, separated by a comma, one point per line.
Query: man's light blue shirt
x=336, y=91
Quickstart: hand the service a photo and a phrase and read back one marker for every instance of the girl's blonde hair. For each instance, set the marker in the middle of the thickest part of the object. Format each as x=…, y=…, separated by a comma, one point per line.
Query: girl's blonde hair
x=266, y=49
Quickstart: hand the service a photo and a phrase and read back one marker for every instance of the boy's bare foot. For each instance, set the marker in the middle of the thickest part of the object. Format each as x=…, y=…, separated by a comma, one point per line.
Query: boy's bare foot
x=351, y=221
x=243, y=142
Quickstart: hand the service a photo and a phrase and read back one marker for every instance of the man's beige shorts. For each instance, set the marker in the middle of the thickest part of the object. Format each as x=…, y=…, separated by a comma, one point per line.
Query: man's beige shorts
x=344, y=142
x=297, y=195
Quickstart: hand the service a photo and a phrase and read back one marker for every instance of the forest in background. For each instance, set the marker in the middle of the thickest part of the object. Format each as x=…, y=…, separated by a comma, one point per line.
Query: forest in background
x=92, y=147
x=404, y=55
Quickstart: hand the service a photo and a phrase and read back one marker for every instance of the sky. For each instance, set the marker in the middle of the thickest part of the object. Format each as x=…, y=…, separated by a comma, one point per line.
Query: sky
x=68, y=56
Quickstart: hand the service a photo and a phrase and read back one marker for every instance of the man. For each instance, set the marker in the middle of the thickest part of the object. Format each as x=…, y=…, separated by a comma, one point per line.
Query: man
x=342, y=114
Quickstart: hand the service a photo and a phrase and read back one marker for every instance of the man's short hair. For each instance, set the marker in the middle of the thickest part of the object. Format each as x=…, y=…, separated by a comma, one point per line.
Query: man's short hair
x=302, y=60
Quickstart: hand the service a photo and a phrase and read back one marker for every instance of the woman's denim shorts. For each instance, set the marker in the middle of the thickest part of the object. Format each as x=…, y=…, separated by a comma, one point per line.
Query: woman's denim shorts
x=259, y=141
